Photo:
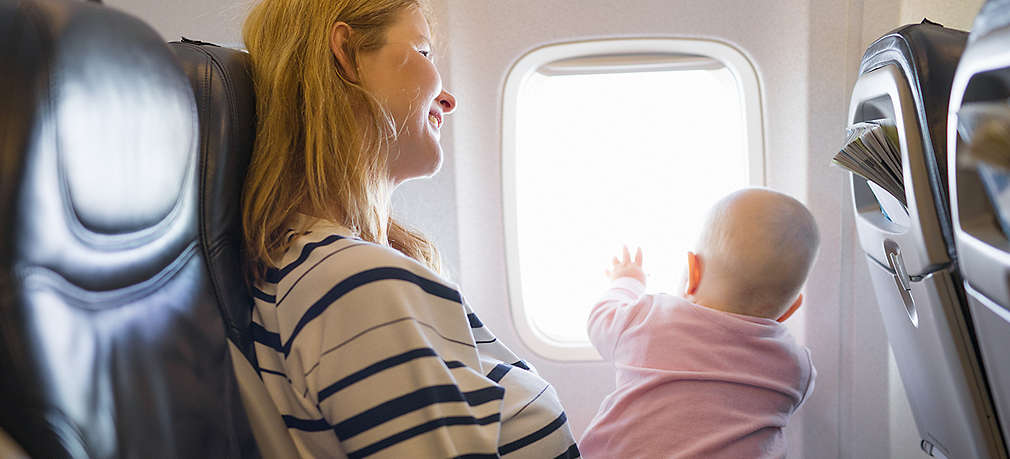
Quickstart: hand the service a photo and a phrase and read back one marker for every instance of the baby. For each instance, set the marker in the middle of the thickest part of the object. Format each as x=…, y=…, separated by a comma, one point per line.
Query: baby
x=713, y=374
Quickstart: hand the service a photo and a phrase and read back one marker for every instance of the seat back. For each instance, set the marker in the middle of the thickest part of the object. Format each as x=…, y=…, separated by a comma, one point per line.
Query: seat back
x=111, y=340
x=926, y=55
x=905, y=81
x=980, y=102
x=225, y=101
x=222, y=82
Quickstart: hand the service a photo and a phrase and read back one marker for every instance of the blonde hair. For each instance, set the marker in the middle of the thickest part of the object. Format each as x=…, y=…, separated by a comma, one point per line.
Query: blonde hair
x=313, y=153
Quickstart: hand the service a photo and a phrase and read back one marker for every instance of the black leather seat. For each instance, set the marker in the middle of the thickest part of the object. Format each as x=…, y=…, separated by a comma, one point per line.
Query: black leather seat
x=112, y=343
x=223, y=87
x=222, y=84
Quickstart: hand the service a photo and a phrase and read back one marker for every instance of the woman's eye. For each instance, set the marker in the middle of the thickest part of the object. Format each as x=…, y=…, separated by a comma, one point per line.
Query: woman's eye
x=425, y=53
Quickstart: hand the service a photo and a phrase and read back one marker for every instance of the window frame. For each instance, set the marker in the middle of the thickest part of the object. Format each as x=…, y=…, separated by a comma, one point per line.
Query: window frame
x=751, y=97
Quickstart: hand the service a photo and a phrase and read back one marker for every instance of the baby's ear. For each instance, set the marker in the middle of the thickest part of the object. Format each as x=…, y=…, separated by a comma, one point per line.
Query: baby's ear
x=693, y=274
x=789, y=312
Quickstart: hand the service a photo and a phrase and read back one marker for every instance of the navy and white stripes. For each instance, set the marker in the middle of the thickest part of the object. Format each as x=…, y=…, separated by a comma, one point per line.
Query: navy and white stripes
x=368, y=354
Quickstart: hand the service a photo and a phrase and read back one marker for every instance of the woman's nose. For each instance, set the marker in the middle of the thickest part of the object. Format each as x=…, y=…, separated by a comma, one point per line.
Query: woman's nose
x=447, y=101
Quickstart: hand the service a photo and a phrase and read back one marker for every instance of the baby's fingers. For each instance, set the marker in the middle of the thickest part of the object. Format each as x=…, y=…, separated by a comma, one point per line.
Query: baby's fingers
x=638, y=257
x=626, y=257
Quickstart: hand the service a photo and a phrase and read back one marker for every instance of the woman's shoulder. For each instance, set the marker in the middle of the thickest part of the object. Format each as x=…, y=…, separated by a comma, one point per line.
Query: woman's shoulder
x=323, y=267
x=331, y=251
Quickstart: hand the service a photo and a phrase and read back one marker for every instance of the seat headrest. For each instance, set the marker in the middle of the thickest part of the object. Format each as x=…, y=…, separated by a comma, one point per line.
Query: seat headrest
x=994, y=15
x=927, y=55
x=222, y=82
x=111, y=343
x=115, y=131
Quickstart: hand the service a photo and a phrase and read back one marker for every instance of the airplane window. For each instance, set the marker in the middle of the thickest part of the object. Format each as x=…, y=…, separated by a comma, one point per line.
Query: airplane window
x=608, y=150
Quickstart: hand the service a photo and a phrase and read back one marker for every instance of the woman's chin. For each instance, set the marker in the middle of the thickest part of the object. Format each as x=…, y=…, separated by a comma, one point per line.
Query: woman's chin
x=434, y=163
x=430, y=172
x=419, y=172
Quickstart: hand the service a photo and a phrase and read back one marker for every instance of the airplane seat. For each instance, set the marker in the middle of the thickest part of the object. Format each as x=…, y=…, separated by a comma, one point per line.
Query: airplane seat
x=926, y=55
x=111, y=340
x=222, y=83
x=994, y=14
x=905, y=81
x=979, y=150
x=225, y=104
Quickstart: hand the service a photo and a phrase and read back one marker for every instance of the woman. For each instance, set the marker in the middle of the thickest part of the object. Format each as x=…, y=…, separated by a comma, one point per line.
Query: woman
x=363, y=346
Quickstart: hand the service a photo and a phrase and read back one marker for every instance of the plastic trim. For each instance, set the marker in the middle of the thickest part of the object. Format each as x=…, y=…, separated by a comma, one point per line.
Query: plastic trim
x=750, y=91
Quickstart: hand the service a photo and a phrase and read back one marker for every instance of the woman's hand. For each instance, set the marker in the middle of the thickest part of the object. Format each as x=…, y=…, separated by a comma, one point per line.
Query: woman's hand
x=626, y=267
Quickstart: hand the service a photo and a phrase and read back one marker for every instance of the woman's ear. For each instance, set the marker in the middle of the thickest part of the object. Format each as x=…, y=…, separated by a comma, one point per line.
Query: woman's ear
x=340, y=34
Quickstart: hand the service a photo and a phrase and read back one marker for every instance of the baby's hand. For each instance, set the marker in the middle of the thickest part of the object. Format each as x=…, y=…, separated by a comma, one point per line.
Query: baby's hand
x=626, y=267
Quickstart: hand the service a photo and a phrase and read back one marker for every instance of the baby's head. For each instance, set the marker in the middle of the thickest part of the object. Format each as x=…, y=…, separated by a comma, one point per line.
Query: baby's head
x=754, y=254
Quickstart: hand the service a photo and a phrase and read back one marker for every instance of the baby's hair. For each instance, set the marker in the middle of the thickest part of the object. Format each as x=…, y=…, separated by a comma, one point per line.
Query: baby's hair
x=758, y=246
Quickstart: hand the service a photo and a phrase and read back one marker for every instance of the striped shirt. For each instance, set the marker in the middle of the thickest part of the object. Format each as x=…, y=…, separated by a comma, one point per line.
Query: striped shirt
x=367, y=353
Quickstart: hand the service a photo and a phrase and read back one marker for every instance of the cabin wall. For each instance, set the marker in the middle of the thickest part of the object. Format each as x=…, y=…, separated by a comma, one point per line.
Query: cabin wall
x=956, y=14
x=847, y=401
x=806, y=54
x=216, y=22
x=775, y=40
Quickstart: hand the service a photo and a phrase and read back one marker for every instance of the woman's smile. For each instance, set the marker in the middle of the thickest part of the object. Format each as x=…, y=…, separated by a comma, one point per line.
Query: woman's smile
x=402, y=76
x=435, y=119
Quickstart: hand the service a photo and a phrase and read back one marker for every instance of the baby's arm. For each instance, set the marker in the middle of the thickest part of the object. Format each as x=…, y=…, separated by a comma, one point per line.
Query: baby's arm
x=620, y=305
x=626, y=267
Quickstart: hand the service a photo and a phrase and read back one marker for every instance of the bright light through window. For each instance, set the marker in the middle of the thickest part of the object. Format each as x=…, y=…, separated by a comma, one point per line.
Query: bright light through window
x=608, y=158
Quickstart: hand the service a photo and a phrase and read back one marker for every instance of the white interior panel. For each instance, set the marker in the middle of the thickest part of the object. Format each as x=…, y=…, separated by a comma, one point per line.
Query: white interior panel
x=806, y=55
x=579, y=182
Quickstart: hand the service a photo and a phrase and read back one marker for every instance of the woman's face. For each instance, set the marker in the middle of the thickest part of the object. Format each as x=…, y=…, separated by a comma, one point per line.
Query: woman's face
x=402, y=76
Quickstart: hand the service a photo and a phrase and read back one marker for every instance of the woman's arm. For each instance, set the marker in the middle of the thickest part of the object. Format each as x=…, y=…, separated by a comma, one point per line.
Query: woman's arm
x=382, y=349
x=534, y=424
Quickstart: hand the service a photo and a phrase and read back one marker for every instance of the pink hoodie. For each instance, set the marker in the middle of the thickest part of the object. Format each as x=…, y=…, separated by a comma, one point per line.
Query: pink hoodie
x=692, y=381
